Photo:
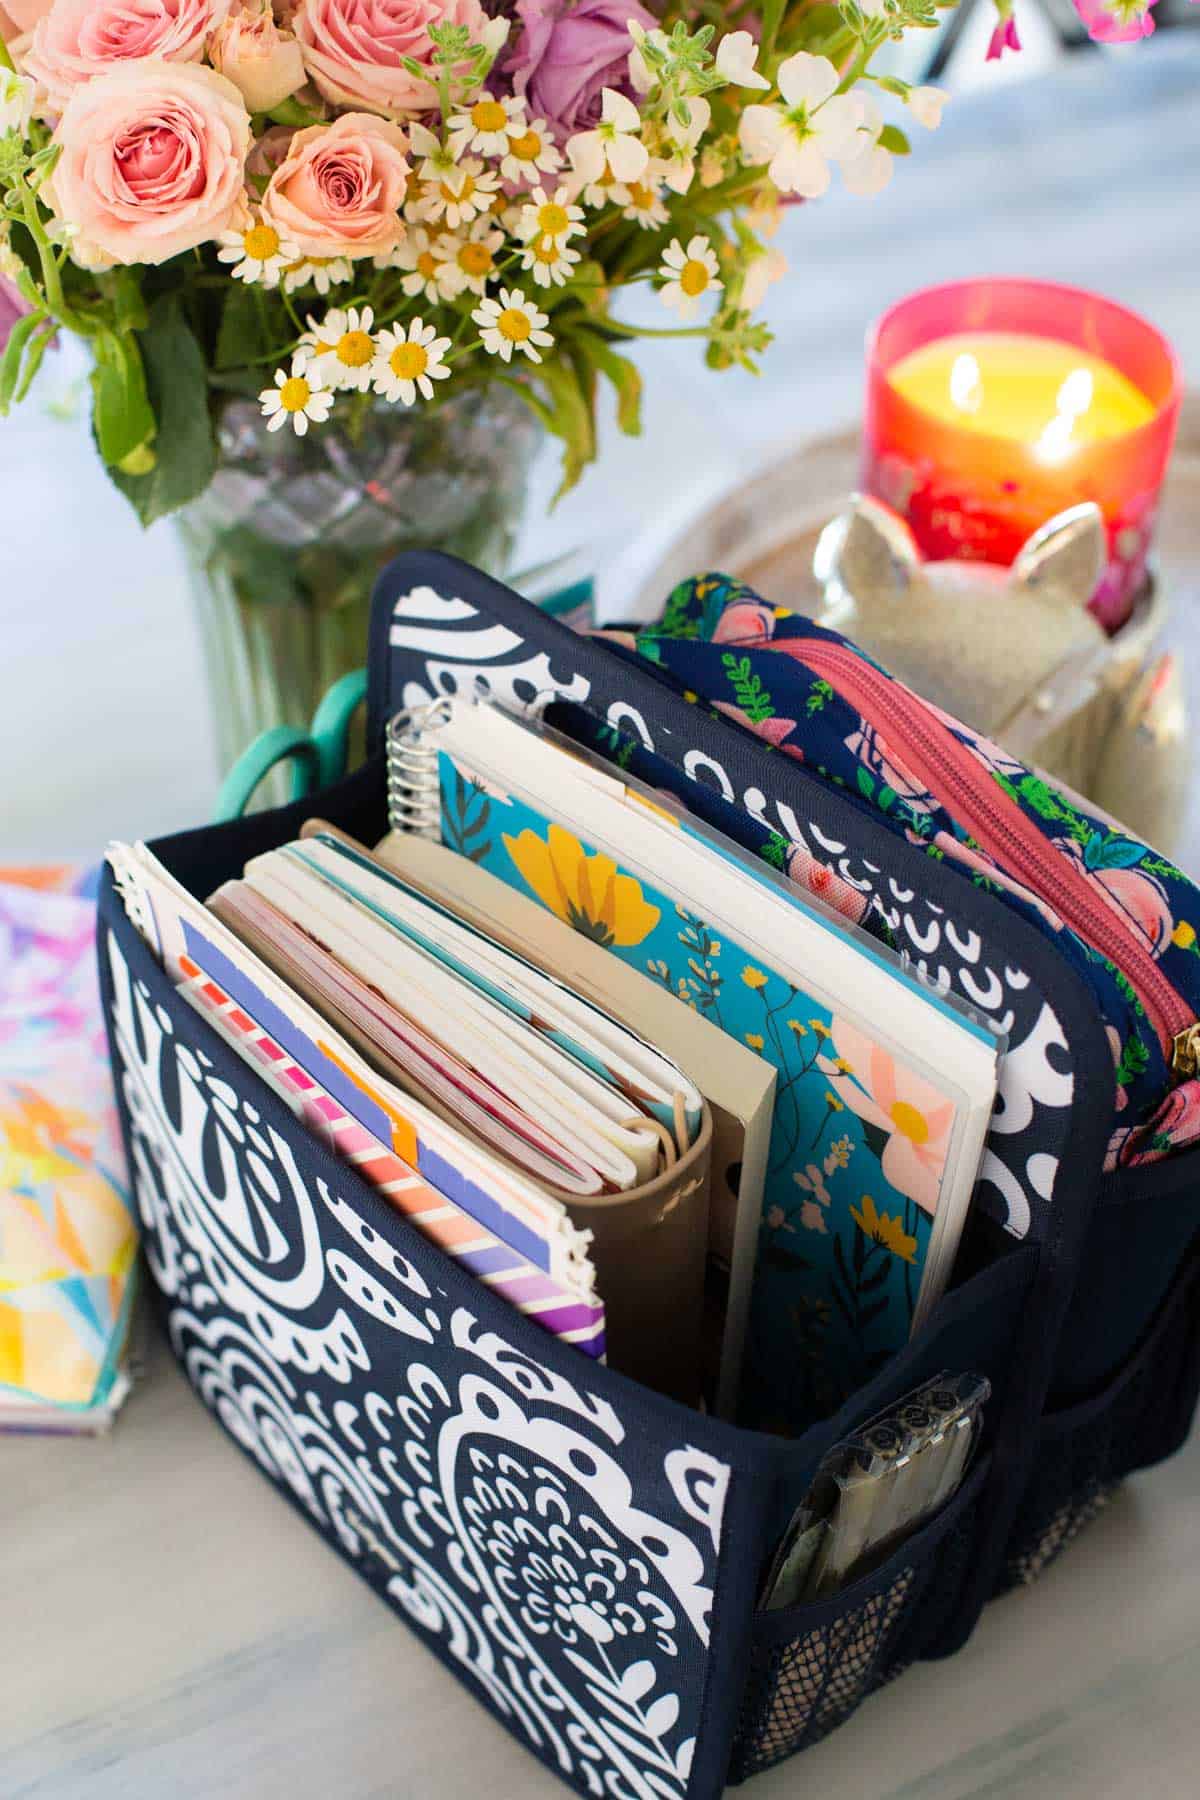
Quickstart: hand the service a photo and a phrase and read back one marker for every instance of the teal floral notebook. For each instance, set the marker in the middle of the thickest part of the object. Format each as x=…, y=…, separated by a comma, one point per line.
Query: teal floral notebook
x=865, y=1139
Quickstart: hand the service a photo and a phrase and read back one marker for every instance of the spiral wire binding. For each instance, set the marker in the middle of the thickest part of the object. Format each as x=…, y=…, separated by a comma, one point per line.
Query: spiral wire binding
x=413, y=789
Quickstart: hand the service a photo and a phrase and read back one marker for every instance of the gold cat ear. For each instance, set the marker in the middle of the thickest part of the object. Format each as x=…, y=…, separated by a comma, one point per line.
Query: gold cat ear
x=1064, y=560
x=867, y=552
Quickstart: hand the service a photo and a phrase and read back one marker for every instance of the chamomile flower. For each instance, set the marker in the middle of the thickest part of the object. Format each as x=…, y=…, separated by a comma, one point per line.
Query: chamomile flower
x=645, y=206
x=296, y=398
x=321, y=272
x=409, y=361
x=258, y=253
x=535, y=151
x=429, y=258
x=688, y=274
x=460, y=195
x=615, y=143
x=474, y=257
x=608, y=191
x=512, y=323
x=548, y=260
x=555, y=217
x=488, y=125
x=341, y=348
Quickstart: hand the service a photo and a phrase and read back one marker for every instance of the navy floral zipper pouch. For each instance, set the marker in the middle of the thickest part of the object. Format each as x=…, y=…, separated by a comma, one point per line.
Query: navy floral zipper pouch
x=1123, y=915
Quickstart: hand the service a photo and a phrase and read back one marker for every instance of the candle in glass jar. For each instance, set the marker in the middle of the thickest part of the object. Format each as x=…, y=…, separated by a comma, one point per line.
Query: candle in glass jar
x=1038, y=391
x=993, y=405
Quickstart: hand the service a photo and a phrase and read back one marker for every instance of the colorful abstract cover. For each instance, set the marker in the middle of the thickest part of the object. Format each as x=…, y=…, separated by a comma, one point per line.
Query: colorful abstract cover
x=859, y=1144
x=68, y=1240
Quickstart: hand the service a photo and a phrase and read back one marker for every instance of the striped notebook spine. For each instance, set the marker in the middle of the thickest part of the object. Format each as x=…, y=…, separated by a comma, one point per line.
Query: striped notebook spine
x=576, y=1319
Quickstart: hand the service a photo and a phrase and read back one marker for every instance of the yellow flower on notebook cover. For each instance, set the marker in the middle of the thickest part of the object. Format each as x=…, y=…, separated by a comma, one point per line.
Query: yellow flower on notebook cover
x=588, y=892
x=883, y=1229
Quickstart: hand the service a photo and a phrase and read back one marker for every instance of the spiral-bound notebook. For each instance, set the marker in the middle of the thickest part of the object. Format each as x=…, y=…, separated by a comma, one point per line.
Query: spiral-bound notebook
x=884, y=1085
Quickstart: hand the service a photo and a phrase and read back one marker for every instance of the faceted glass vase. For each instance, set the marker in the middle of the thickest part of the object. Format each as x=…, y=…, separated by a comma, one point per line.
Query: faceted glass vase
x=284, y=546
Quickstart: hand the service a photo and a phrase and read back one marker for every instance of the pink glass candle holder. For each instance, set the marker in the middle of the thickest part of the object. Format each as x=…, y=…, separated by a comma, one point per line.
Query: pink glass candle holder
x=972, y=495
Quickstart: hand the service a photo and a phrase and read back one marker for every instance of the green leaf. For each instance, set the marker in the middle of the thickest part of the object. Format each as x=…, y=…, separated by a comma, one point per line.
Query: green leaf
x=121, y=412
x=179, y=396
x=772, y=15
x=14, y=353
x=244, y=334
x=625, y=377
x=893, y=139
x=33, y=361
x=569, y=418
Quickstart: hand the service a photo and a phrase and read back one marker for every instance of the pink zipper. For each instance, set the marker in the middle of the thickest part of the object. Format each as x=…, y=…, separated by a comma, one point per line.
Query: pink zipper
x=947, y=768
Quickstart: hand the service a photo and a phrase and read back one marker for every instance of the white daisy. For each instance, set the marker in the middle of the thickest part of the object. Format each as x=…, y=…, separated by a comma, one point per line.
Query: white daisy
x=512, y=323
x=341, y=348
x=258, y=253
x=408, y=362
x=869, y=167
x=737, y=54
x=460, y=195
x=297, y=396
x=488, y=125
x=816, y=126
x=555, y=217
x=925, y=104
x=766, y=267
x=535, y=150
x=321, y=272
x=679, y=146
x=474, y=257
x=438, y=161
x=548, y=260
x=688, y=274
x=614, y=144
x=429, y=257
x=16, y=103
x=645, y=206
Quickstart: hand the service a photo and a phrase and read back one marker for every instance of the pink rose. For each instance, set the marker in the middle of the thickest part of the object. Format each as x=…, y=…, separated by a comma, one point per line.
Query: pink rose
x=339, y=189
x=262, y=61
x=26, y=13
x=79, y=39
x=152, y=162
x=354, y=49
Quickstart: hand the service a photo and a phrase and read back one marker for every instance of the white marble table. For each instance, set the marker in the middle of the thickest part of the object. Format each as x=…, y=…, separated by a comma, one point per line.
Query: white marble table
x=169, y=1628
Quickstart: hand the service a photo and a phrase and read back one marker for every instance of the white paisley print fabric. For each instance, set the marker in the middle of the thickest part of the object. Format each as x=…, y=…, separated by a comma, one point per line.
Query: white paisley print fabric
x=561, y=1558
x=443, y=644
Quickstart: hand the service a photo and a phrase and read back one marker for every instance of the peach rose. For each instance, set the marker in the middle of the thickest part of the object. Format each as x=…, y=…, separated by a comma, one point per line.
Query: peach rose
x=79, y=39
x=152, y=162
x=264, y=62
x=339, y=189
x=354, y=49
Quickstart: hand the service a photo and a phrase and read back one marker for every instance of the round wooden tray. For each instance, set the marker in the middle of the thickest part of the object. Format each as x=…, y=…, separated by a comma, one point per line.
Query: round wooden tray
x=766, y=531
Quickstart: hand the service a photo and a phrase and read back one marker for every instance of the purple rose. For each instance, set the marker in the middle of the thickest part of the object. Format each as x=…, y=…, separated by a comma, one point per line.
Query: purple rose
x=566, y=52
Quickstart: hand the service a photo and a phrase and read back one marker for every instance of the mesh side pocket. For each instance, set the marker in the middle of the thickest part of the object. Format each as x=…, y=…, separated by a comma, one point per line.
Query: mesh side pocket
x=1085, y=1451
x=812, y=1665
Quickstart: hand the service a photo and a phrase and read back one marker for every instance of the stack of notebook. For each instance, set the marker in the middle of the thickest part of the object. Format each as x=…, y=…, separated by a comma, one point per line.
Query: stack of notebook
x=624, y=1074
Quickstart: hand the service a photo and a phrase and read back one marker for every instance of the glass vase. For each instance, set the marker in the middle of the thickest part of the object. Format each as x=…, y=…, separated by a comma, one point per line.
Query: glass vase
x=284, y=546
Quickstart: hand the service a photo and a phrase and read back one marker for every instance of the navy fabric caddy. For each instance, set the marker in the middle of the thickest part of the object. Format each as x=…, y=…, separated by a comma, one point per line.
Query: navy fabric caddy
x=582, y=1554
